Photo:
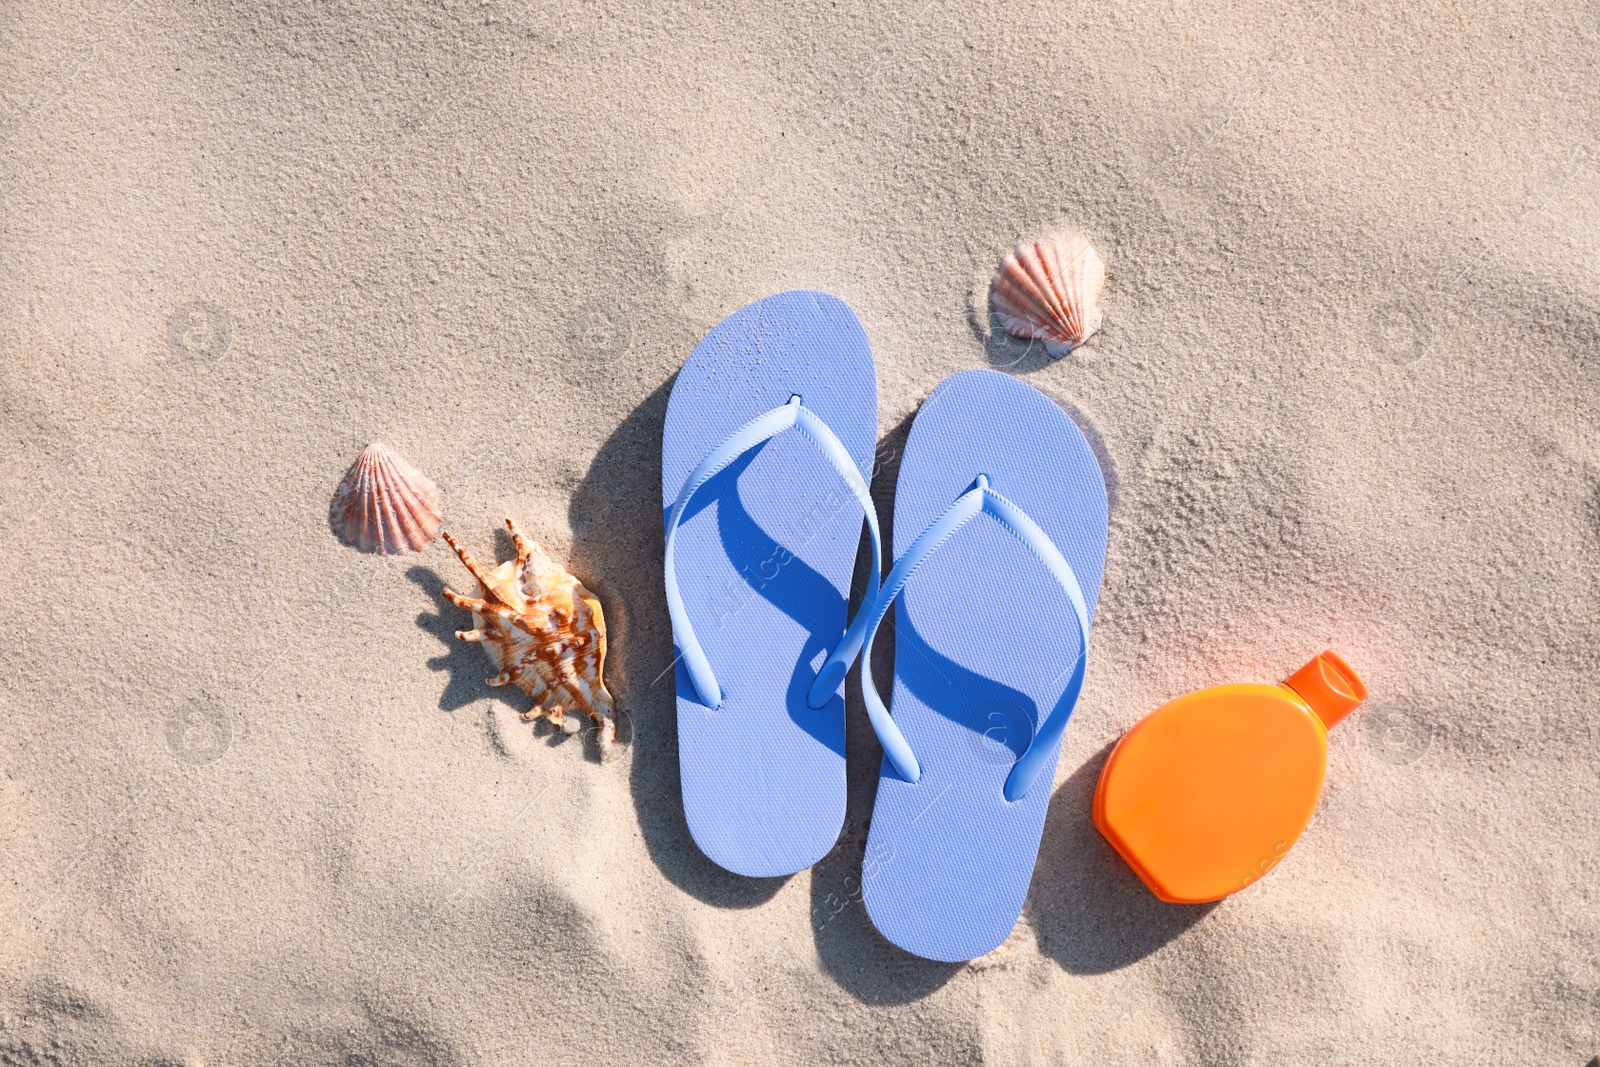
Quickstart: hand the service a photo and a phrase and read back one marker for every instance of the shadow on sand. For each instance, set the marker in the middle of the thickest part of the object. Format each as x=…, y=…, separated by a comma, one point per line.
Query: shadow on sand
x=617, y=548
x=464, y=662
x=1090, y=912
x=1014, y=355
x=854, y=954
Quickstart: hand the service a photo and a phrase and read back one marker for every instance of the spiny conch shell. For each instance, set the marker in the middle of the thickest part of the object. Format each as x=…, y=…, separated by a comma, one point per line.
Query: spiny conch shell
x=544, y=632
x=1049, y=289
x=385, y=505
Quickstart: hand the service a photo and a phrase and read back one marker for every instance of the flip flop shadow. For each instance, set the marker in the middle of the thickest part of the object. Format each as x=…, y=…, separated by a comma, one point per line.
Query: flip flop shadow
x=617, y=551
x=865, y=963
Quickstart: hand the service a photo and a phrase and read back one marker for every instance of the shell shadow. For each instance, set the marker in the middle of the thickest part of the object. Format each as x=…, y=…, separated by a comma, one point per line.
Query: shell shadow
x=1017, y=355
x=466, y=664
x=615, y=515
x=1089, y=911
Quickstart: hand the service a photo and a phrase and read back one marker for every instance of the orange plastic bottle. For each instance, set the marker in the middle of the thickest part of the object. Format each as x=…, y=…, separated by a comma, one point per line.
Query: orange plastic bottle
x=1209, y=791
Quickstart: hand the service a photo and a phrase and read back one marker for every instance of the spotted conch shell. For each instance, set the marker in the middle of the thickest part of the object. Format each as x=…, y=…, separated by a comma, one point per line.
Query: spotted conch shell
x=544, y=632
x=385, y=505
x=1049, y=289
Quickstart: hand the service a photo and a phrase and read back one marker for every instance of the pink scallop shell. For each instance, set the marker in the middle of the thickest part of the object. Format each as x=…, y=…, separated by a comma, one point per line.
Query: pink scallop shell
x=1049, y=289
x=385, y=505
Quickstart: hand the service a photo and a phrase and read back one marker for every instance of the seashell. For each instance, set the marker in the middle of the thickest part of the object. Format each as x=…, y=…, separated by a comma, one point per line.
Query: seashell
x=1049, y=289
x=385, y=505
x=544, y=632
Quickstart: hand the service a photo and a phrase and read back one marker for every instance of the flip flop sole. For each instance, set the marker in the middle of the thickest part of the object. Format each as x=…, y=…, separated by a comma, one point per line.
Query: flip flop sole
x=985, y=642
x=764, y=554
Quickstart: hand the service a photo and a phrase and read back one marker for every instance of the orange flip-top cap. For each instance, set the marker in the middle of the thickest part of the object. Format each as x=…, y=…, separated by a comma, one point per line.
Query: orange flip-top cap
x=1329, y=685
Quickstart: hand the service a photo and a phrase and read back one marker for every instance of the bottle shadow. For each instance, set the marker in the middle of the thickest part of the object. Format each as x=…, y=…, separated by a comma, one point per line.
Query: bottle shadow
x=1089, y=911
x=618, y=543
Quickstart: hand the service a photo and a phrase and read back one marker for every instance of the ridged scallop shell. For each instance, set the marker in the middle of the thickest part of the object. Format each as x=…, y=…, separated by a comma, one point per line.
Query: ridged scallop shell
x=544, y=632
x=385, y=505
x=1049, y=289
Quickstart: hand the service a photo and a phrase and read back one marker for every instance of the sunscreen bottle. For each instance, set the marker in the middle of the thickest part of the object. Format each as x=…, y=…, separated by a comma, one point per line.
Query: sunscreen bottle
x=1209, y=791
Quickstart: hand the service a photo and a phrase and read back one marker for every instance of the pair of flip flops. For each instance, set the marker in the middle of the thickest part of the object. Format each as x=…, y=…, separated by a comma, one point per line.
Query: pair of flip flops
x=999, y=543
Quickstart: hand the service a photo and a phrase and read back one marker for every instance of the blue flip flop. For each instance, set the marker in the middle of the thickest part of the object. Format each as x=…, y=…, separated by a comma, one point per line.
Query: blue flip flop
x=762, y=529
x=1000, y=529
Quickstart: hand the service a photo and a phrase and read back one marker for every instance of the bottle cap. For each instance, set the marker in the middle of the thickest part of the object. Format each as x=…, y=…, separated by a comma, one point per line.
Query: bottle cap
x=1329, y=685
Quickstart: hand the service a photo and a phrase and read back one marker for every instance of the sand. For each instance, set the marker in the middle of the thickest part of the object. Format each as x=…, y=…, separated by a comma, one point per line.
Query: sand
x=257, y=805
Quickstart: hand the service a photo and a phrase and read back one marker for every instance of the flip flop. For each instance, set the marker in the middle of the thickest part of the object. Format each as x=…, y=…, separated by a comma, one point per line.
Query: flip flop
x=766, y=454
x=1000, y=540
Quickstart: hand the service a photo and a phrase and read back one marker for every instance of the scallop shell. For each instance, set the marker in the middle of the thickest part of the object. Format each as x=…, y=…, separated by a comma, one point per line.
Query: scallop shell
x=1049, y=289
x=385, y=505
x=544, y=632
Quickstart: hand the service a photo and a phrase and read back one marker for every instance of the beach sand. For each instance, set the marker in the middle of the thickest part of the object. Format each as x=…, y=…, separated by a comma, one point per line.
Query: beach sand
x=257, y=805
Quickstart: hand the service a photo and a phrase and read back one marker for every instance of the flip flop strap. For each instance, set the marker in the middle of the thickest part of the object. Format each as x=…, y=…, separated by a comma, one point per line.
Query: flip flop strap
x=759, y=429
x=980, y=499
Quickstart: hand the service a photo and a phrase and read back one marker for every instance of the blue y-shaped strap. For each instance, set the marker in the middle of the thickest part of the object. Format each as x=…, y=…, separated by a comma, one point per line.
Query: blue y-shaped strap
x=741, y=441
x=858, y=639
